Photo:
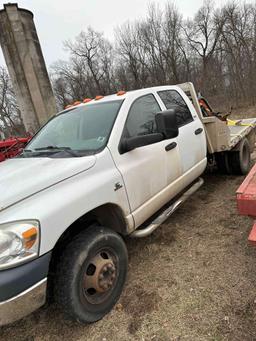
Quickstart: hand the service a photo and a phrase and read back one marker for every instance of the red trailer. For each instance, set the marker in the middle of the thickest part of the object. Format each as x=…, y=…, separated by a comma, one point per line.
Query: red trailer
x=246, y=200
x=12, y=147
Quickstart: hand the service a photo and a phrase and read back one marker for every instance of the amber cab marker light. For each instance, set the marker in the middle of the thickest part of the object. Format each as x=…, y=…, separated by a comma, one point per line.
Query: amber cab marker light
x=121, y=93
x=68, y=106
x=98, y=97
x=77, y=103
x=86, y=100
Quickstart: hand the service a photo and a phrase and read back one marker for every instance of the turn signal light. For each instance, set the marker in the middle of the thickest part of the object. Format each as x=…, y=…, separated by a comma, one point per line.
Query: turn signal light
x=77, y=103
x=30, y=237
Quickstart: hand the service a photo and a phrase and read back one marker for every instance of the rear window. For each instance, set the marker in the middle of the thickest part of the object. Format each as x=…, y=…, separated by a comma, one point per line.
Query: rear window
x=173, y=100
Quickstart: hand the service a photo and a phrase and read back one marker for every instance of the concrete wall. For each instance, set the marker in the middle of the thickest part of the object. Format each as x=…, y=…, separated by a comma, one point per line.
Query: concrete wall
x=26, y=66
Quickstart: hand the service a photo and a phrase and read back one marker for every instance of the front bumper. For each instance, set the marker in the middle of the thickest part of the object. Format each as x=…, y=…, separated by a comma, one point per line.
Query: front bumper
x=23, y=289
x=23, y=304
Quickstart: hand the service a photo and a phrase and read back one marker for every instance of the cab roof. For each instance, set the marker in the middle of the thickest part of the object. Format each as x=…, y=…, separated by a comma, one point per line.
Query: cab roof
x=124, y=95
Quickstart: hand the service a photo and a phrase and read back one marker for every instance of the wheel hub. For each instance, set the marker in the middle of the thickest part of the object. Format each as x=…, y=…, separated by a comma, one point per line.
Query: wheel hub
x=100, y=275
x=106, y=276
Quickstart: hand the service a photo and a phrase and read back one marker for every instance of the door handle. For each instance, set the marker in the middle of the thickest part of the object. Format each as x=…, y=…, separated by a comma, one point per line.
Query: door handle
x=170, y=146
x=198, y=131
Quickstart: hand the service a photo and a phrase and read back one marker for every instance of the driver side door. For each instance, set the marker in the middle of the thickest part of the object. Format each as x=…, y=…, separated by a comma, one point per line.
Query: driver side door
x=147, y=171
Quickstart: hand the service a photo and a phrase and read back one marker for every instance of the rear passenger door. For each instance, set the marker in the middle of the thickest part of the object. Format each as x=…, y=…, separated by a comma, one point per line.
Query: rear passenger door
x=191, y=139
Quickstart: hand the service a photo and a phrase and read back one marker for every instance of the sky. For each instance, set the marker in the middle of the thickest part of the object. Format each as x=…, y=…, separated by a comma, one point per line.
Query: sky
x=60, y=20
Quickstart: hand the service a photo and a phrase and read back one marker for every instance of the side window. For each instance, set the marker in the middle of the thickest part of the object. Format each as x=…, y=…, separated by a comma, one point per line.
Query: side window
x=141, y=117
x=173, y=100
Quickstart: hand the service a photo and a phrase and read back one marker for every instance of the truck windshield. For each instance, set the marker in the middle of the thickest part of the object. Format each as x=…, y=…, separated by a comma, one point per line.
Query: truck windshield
x=81, y=129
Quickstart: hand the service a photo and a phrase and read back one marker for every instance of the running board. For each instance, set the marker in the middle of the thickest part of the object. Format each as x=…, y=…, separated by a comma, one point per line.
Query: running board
x=168, y=212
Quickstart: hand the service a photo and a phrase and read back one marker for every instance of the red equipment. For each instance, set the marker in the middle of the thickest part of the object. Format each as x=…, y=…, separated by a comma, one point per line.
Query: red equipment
x=12, y=147
x=246, y=200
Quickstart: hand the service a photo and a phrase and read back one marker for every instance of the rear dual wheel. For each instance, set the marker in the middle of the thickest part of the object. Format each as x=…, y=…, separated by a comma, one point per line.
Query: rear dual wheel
x=240, y=160
x=235, y=162
x=91, y=274
x=222, y=162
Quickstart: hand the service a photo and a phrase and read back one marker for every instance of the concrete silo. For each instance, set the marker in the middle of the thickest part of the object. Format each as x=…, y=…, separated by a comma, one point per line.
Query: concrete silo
x=26, y=66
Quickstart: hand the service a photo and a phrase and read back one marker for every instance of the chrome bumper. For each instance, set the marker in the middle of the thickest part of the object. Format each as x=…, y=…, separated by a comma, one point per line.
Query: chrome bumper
x=23, y=304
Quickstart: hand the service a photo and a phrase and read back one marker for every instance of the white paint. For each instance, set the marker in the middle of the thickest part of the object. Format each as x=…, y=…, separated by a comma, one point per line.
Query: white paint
x=58, y=206
x=192, y=147
x=59, y=191
x=21, y=178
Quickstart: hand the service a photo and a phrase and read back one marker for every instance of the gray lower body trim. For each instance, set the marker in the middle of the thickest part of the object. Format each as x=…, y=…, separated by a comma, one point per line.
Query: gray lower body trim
x=23, y=304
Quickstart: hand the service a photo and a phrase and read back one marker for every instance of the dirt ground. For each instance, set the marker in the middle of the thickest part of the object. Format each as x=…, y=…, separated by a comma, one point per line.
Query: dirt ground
x=194, y=279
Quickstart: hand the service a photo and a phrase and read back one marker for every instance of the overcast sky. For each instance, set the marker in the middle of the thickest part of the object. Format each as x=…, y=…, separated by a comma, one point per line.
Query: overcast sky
x=58, y=20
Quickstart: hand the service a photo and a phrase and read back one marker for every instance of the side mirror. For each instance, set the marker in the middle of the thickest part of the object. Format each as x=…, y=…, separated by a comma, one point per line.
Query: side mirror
x=166, y=122
x=130, y=143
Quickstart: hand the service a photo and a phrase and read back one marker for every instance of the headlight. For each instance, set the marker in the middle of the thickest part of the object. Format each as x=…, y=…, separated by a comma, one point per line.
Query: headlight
x=19, y=242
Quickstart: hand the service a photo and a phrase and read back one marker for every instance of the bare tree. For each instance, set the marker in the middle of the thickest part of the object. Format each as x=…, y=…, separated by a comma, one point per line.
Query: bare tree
x=203, y=34
x=10, y=118
x=132, y=55
x=238, y=43
x=91, y=50
x=216, y=50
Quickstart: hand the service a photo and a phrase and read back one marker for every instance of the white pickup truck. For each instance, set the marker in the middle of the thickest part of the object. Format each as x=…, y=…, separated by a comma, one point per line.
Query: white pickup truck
x=110, y=167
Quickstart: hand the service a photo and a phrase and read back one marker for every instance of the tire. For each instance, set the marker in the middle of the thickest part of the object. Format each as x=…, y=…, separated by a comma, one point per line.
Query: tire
x=240, y=160
x=91, y=274
x=222, y=162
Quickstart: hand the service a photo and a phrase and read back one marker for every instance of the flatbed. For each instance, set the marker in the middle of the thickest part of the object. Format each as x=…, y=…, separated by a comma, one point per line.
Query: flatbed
x=229, y=142
x=242, y=129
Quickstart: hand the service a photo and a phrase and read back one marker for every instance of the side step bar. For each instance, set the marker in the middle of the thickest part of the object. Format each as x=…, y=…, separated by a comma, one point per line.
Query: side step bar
x=166, y=213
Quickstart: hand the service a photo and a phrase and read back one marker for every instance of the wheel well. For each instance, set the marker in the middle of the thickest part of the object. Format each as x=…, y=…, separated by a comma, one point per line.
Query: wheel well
x=108, y=215
x=111, y=216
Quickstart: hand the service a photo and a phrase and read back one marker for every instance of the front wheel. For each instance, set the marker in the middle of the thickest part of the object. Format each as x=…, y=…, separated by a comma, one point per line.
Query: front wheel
x=91, y=274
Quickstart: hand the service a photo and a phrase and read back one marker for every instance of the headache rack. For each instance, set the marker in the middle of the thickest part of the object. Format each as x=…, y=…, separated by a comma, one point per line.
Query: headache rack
x=221, y=134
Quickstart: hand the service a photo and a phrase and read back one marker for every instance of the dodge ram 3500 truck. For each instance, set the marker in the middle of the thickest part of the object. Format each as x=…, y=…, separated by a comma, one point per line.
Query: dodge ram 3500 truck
x=110, y=167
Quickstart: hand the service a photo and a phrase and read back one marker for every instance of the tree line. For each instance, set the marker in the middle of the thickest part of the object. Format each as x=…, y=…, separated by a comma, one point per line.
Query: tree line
x=216, y=50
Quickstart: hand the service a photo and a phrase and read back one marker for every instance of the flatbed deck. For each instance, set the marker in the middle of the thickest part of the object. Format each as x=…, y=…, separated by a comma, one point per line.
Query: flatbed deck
x=240, y=130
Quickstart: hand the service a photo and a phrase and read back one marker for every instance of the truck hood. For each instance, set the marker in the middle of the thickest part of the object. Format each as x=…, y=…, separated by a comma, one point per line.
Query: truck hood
x=21, y=178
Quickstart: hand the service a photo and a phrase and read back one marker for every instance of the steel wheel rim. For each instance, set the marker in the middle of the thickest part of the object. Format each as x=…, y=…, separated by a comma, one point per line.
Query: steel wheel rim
x=99, y=276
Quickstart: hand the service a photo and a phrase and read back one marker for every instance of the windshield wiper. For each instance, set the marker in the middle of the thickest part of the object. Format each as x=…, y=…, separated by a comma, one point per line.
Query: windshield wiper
x=59, y=149
x=53, y=147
